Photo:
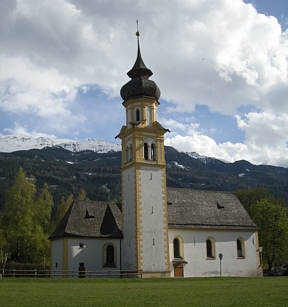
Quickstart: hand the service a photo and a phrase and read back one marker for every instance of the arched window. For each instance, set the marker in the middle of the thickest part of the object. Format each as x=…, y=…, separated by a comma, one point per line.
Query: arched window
x=210, y=248
x=137, y=115
x=146, y=156
x=110, y=261
x=176, y=246
x=153, y=152
x=240, y=248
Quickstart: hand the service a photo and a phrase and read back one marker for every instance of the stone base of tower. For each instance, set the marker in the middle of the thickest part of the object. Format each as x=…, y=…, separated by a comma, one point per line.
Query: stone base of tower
x=155, y=274
x=140, y=274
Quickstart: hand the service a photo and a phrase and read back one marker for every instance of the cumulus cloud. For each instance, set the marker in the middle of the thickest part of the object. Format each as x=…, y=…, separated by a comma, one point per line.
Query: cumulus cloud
x=219, y=53
x=265, y=140
x=18, y=130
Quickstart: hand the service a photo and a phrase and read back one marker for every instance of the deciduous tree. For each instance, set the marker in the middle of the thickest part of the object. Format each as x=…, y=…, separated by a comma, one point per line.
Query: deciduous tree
x=18, y=217
x=272, y=220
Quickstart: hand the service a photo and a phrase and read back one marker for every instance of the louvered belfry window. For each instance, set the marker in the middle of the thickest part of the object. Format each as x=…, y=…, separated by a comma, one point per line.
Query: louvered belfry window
x=146, y=157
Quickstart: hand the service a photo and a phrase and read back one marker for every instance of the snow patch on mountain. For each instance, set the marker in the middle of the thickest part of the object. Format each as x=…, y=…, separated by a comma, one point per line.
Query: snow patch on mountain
x=203, y=159
x=178, y=165
x=11, y=143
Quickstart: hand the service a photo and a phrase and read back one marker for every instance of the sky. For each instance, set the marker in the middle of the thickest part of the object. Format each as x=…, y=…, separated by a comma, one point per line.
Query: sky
x=221, y=65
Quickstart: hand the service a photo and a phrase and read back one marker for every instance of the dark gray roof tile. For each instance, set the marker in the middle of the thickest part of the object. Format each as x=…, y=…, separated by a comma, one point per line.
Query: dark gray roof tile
x=86, y=218
x=187, y=208
x=206, y=209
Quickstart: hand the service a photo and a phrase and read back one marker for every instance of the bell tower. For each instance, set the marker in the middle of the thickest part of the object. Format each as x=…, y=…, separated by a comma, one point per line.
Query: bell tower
x=143, y=170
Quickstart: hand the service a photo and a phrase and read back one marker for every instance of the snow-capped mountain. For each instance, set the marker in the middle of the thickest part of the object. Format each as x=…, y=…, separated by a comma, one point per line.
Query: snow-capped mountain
x=10, y=143
x=204, y=159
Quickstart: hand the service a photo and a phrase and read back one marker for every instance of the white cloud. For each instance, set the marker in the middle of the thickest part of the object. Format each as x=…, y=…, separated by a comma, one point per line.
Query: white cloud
x=219, y=53
x=18, y=130
x=265, y=140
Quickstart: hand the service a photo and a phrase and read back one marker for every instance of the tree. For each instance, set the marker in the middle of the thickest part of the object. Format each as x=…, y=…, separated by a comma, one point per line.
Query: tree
x=62, y=208
x=43, y=207
x=18, y=217
x=82, y=195
x=26, y=220
x=270, y=215
x=3, y=250
x=42, y=224
x=251, y=196
x=271, y=218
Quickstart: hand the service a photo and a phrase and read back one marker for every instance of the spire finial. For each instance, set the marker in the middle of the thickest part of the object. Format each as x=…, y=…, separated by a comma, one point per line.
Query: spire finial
x=139, y=69
x=137, y=32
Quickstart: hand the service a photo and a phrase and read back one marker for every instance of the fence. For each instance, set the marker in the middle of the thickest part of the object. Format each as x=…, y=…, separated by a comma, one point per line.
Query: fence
x=71, y=274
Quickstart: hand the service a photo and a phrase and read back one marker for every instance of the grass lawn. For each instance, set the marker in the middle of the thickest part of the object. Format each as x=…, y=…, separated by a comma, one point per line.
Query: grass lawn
x=270, y=291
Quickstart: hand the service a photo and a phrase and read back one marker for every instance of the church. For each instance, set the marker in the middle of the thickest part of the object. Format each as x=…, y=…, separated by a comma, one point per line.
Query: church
x=156, y=231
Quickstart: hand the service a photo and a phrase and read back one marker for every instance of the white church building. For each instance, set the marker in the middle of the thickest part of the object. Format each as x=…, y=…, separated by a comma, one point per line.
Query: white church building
x=156, y=232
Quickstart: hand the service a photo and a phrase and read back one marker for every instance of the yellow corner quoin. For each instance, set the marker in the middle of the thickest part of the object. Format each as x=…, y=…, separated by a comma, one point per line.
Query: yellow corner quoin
x=164, y=191
x=139, y=232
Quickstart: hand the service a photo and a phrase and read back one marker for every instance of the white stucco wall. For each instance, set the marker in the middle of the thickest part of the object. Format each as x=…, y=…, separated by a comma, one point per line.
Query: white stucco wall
x=152, y=225
x=195, y=253
x=91, y=254
x=56, y=255
x=129, y=258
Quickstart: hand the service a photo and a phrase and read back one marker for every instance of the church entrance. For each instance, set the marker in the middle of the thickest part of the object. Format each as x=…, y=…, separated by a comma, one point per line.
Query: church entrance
x=178, y=270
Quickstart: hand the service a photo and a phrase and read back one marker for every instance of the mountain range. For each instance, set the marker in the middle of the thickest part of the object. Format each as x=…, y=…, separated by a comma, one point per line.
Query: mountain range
x=68, y=165
x=11, y=143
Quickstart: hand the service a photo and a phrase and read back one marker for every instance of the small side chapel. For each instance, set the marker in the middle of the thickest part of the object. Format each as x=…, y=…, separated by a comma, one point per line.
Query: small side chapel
x=156, y=232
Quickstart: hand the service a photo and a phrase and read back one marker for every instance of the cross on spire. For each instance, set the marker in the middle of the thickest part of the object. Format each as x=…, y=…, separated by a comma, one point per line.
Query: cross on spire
x=137, y=32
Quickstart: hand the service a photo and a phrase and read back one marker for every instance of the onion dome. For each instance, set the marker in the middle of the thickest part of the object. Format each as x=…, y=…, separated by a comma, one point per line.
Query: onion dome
x=139, y=85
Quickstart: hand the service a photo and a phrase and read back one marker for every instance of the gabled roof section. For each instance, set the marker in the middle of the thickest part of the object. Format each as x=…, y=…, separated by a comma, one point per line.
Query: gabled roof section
x=88, y=219
x=188, y=209
x=109, y=226
x=206, y=209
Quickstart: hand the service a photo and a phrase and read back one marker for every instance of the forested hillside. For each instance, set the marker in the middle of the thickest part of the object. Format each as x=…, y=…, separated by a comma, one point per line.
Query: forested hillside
x=67, y=173
x=37, y=197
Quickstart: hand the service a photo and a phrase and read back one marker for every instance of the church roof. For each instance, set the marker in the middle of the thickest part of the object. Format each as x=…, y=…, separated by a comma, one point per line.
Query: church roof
x=88, y=218
x=190, y=209
x=206, y=209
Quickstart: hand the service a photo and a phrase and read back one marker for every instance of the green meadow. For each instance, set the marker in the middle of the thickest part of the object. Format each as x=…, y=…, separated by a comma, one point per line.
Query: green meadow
x=270, y=291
